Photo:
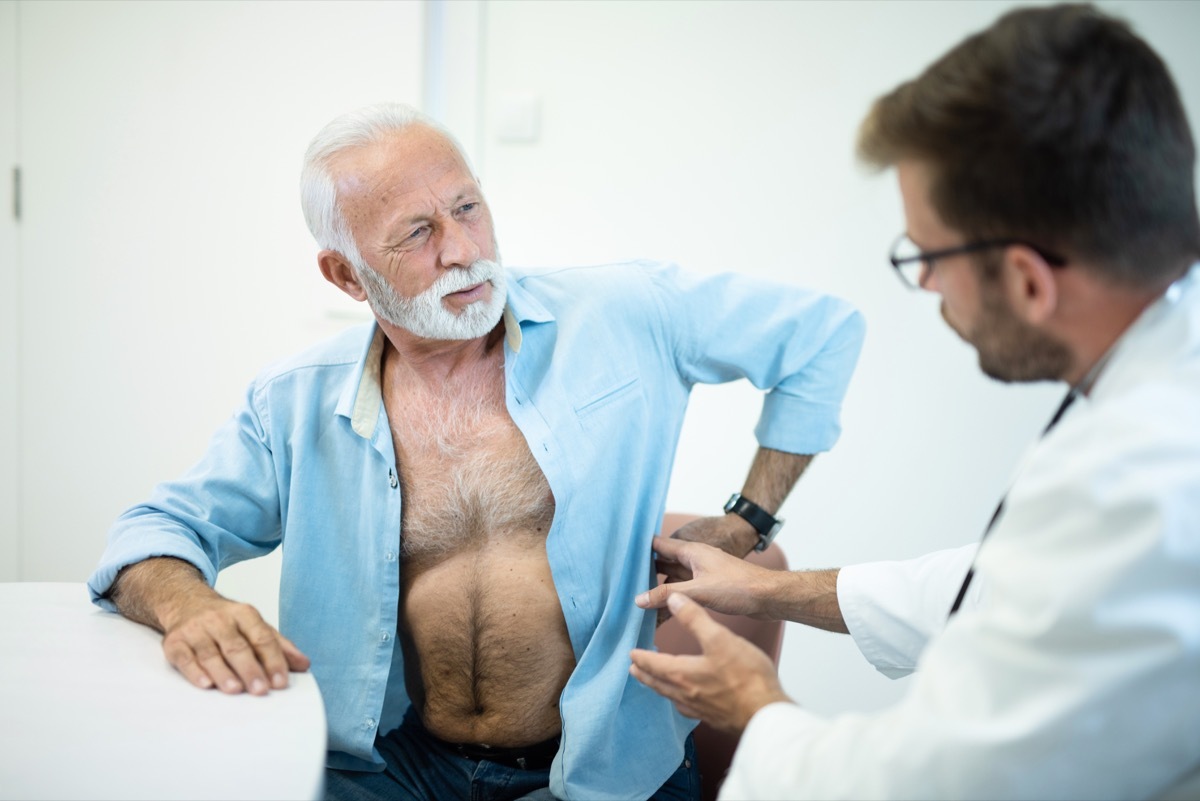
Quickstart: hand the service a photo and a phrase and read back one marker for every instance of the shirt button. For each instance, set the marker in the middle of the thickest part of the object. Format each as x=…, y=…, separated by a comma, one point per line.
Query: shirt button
x=369, y=723
x=384, y=636
x=392, y=480
x=390, y=556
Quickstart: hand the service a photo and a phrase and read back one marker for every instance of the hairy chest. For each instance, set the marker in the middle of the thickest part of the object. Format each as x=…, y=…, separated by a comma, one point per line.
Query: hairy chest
x=467, y=474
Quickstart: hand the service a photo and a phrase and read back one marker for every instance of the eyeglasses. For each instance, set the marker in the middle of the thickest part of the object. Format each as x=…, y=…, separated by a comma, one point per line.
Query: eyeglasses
x=914, y=265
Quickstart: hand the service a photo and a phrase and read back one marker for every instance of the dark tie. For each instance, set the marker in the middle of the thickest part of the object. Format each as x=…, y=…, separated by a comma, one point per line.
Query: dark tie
x=962, y=591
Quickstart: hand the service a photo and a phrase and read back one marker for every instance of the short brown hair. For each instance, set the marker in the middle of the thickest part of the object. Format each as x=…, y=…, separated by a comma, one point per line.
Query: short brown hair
x=1059, y=126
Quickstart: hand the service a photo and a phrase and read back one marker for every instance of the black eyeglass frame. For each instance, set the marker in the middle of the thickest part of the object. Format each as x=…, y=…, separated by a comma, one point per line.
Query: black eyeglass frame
x=930, y=256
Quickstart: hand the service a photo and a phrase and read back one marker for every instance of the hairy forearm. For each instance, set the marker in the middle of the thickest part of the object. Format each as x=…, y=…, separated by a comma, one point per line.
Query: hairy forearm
x=151, y=592
x=805, y=596
x=772, y=476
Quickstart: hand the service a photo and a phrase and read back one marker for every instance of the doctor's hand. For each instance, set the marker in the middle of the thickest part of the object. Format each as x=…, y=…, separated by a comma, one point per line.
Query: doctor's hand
x=729, y=533
x=711, y=577
x=725, y=685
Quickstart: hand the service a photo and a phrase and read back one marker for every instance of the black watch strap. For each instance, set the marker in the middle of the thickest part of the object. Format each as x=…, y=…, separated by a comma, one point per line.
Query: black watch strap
x=764, y=523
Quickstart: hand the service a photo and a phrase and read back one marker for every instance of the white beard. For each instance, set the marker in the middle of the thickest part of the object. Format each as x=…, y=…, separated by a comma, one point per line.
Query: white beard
x=425, y=316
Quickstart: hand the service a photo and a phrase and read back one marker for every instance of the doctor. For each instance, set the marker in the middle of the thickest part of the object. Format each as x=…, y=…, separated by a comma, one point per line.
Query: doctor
x=1046, y=169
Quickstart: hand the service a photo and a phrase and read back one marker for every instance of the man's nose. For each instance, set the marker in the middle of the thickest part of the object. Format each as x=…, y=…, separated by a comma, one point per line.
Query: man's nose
x=458, y=249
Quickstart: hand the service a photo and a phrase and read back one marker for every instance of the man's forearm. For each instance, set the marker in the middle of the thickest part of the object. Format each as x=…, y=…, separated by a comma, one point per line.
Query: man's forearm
x=772, y=476
x=151, y=592
x=806, y=596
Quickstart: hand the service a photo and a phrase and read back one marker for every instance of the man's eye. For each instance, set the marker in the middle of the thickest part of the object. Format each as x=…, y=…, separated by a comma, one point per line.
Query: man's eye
x=418, y=233
x=467, y=208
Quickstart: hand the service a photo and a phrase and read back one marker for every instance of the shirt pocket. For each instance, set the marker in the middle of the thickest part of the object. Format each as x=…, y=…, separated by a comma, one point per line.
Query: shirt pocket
x=614, y=403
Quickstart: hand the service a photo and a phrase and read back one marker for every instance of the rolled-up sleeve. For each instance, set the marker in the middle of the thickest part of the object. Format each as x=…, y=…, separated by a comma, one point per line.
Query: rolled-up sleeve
x=799, y=345
x=223, y=510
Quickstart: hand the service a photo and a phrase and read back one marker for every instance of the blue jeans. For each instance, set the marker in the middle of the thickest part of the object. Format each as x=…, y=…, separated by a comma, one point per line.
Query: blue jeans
x=422, y=768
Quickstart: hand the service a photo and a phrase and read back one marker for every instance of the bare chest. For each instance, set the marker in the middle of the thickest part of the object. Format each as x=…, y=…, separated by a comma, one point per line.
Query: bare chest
x=486, y=646
x=467, y=474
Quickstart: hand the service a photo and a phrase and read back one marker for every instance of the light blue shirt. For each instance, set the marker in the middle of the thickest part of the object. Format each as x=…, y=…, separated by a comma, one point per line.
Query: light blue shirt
x=599, y=363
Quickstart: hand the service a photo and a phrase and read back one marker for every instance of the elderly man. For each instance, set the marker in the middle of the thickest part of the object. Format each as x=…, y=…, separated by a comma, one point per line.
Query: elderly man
x=1047, y=170
x=466, y=490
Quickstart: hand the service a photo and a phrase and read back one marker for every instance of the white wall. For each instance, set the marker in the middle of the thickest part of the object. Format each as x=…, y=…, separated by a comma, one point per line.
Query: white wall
x=9, y=309
x=164, y=259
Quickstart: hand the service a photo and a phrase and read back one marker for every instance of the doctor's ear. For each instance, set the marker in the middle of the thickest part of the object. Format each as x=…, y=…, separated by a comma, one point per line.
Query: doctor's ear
x=1029, y=283
x=340, y=273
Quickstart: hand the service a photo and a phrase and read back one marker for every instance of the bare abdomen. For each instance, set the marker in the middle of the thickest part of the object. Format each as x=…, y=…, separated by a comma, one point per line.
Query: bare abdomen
x=490, y=644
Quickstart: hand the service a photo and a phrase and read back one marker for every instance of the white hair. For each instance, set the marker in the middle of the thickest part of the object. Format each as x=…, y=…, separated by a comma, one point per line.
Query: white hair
x=354, y=129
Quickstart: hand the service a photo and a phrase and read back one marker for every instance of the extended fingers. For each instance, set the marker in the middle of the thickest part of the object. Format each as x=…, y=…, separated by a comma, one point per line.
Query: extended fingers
x=673, y=571
x=296, y=659
x=655, y=598
x=233, y=649
x=693, y=616
x=669, y=548
x=236, y=641
x=655, y=671
x=198, y=657
x=663, y=688
x=265, y=661
x=665, y=674
x=181, y=656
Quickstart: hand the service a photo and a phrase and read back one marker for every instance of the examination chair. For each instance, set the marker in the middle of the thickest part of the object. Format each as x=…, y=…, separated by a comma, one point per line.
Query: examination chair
x=714, y=749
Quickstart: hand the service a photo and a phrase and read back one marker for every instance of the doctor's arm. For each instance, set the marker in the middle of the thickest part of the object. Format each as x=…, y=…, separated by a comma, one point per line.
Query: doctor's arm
x=891, y=609
x=734, y=586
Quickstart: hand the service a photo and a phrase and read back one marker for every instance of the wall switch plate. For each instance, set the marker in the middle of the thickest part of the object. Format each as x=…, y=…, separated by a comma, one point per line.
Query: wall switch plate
x=518, y=117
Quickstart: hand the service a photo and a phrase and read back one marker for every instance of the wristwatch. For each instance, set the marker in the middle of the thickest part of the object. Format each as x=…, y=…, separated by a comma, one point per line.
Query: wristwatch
x=766, y=525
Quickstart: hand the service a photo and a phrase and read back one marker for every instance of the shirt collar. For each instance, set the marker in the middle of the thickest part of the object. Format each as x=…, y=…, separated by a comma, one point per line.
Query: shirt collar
x=362, y=396
x=521, y=307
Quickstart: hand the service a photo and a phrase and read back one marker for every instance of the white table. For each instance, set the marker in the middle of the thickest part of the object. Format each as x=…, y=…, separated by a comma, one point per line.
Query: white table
x=90, y=709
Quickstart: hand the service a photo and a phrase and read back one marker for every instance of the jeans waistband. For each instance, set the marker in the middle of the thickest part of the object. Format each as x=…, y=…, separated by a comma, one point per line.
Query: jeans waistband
x=529, y=757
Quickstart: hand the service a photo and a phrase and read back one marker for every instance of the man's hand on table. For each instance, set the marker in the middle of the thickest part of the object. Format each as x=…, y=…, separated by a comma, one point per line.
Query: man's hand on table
x=211, y=640
x=215, y=642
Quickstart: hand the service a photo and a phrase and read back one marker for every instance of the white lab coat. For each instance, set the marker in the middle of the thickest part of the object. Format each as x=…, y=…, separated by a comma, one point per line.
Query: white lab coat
x=1073, y=669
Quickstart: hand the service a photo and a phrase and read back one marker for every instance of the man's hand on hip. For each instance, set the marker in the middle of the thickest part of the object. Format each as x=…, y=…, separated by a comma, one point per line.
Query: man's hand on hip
x=730, y=533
